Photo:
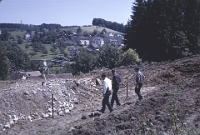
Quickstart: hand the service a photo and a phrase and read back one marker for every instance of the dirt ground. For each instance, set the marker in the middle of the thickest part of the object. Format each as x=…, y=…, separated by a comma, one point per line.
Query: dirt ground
x=171, y=103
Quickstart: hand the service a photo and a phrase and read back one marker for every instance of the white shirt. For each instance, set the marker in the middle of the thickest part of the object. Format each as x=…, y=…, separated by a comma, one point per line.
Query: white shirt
x=106, y=84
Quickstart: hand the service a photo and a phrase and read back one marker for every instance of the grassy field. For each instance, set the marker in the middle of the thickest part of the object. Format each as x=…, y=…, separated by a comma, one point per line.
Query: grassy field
x=18, y=33
x=90, y=29
x=40, y=54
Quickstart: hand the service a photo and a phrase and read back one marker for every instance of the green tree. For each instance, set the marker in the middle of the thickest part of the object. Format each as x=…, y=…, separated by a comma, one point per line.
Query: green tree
x=44, y=50
x=18, y=58
x=95, y=32
x=19, y=39
x=53, y=50
x=109, y=56
x=85, y=62
x=162, y=29
x=27, y=46
x=103, y=31
x=130, y=57
x=79, y=30
x=4, y=63
x=5, y=35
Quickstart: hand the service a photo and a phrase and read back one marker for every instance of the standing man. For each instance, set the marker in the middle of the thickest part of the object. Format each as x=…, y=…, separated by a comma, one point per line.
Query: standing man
x=107, y=87
x=139, y=82
x=115, y=85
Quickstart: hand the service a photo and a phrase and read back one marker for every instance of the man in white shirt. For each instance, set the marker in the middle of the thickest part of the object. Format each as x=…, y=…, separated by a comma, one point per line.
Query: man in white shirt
x=107, y=87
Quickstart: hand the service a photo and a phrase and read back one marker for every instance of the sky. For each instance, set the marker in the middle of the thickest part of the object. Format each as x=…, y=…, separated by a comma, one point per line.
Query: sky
x=64, y=12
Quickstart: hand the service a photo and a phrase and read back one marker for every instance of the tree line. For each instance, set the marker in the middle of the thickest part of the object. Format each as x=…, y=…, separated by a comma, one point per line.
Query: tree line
x=108, y=24
x=13, y=59
x=106, y=57
x=18, y=26
x=164, y=29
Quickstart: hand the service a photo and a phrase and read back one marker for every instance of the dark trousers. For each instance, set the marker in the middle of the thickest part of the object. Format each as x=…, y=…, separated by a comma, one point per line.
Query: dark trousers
x=137, y=90
x=106, y=102
x=115, y=96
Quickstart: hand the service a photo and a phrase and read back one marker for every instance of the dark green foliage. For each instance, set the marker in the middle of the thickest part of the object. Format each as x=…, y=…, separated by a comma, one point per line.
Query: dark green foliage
x=108, y=24
x=4, y=63
x=44, y=50
x=32, y=53
x=53, y=50
x=103, y=31
x=79, y=30
x=5, y=35
x=12, y=59
x=18, y=26
x=19, y=40
x=164, y=29
x=85, y=61
x=27, y=46
x=109, y=56
x=18, y=59
x=95, y=32
x=129, y=57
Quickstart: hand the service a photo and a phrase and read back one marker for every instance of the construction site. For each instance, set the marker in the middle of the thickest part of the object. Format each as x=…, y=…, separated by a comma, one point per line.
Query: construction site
x=67, y=105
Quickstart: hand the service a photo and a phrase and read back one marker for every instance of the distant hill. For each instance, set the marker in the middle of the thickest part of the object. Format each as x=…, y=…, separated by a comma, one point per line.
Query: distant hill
x=90, y=29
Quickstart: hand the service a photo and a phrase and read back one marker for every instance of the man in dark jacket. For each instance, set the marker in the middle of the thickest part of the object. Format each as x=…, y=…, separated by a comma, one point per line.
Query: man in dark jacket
x=139, y=82
x=115, y=85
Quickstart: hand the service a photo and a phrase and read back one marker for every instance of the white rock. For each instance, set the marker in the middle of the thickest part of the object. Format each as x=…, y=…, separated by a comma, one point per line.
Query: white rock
x=34, y=92
x=45, y=115
x=75, y=100
x=61, y=113
x=10, y=116
x=71, y=106
x=49, y=109
x=29, y=118
x=66, y=110
x=15, y=118
x=55, y=99
x=11, y=122
x=7, y=126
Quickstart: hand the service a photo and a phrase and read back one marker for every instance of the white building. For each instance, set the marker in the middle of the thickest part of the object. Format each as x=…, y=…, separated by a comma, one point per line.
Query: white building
x=84, y=42
x=98, y=41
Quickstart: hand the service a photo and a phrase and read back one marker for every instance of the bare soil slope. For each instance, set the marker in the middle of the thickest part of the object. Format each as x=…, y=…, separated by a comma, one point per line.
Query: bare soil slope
x=171, y=102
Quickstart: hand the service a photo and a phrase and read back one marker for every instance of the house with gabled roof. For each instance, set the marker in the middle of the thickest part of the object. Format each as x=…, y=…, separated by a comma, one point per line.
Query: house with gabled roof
x=98, y=40
x=82, y=40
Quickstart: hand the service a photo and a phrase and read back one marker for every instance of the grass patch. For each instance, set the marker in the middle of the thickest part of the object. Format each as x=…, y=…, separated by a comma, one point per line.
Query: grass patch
x=89, y=29
x=18, y=33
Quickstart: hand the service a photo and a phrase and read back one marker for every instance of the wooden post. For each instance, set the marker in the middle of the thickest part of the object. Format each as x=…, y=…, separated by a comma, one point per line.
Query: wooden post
x=127, y=89
x=52, y=107
x=168, y=76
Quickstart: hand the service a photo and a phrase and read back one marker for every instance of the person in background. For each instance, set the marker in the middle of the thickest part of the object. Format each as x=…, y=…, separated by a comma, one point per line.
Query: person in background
x=139, y=82
x=115, y=85
x=107, y=87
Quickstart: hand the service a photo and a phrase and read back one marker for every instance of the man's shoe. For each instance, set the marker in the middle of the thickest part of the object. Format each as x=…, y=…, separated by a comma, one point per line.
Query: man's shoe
x=140, y=98
x=112, y=111
x=100, y=111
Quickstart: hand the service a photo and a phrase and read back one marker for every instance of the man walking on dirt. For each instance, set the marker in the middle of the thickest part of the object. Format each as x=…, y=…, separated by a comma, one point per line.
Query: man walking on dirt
x=115, y=85
x=107, y=87
x=139, y=82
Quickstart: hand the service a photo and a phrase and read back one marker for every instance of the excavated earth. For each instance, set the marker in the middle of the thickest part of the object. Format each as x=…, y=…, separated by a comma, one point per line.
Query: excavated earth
x=171, y=103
